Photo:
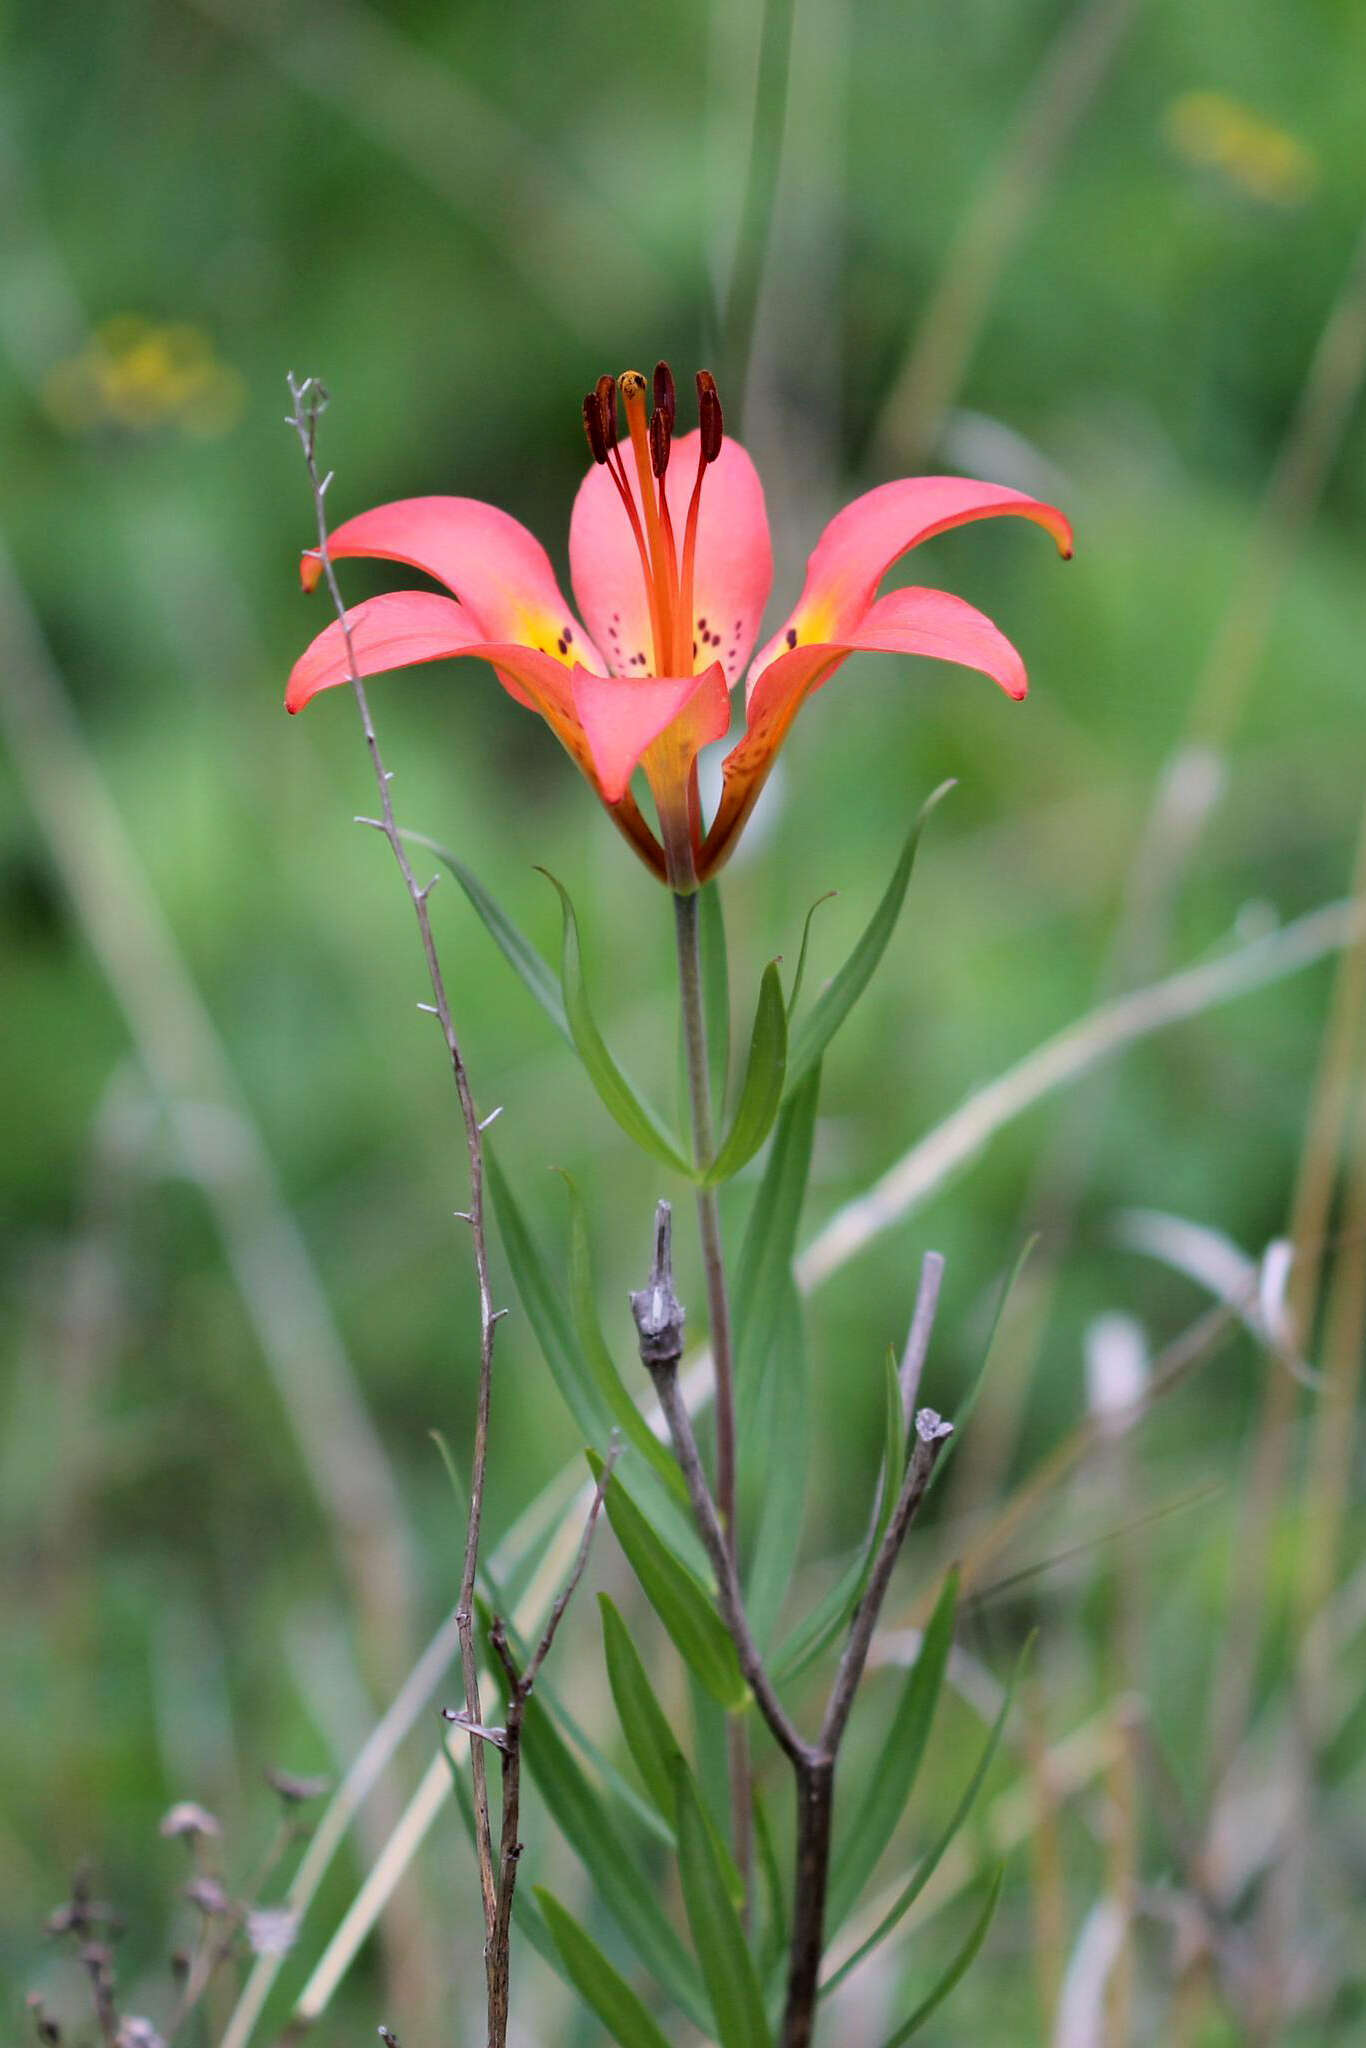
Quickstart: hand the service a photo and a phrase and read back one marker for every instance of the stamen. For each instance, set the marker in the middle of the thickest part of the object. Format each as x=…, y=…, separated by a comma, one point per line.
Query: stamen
x=632, y=387
x=711, y=433
x=592, y=424
x=606, y=393
x=709, y=417
x=666, y=400
x=659, y=445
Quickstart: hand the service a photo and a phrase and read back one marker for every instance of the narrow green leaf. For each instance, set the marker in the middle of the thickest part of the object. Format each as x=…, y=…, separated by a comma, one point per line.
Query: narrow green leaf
x=593, y=1349
x=833, y=1005
x=649, y=1733
x=681, y=1601
x=930, y=1861
x=763, y=1271
x=762, y=1090
x=545, y=1311
x=817, y=1629
x=711, y=938
x=963, y=1409
x=596, y=1981
x=719, y=1939
x=623, y=1884
x=874, y=1821
x=534, y=971
x=775, y=1941
x=958, y=1968
x=614, y=1091
x=785, y=1433
x=800, y=975
x=576, y=1379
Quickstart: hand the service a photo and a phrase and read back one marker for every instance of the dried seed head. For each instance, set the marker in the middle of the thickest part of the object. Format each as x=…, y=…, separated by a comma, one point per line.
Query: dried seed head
x=297, y=1791
x=186, y=1818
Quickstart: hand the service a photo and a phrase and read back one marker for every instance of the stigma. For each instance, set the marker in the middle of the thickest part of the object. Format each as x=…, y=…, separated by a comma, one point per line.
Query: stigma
x=667, y=562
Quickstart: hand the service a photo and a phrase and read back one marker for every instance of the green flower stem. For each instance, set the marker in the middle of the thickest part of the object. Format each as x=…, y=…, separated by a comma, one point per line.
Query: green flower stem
x=686, y=930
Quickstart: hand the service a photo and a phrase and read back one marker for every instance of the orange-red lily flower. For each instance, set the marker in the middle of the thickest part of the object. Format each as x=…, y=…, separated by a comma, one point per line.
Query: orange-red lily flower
x=671, y=564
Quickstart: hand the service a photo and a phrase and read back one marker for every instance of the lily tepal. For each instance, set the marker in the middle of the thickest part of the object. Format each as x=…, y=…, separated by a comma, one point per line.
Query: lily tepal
x=671, y=563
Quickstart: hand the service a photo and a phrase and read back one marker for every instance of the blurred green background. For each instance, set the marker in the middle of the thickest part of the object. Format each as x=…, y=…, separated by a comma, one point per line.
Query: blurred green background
x=1089, y=250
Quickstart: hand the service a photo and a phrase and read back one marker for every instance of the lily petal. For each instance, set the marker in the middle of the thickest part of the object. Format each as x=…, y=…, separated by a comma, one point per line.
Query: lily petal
x=862, y=542
x=406, y=627
x=396, y=631
x=926, y=622
x=621, y=720
x=734, y=568
x=496, y=567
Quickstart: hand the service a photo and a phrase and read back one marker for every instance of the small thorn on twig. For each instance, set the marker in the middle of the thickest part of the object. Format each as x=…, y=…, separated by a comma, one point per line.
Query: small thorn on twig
x=376, y=824
x=492, y=1117
x=389, y=2039
x=459, y=1719
x=498, y=1315
x=463, y=1215
x=429, y=1009
x=657, y=1309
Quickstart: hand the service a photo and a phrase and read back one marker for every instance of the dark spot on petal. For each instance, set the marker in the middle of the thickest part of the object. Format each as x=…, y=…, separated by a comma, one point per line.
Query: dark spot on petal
x=694, y=648
x=792, y=636
x=568, y=634
x=562, y=644
x=703, y=624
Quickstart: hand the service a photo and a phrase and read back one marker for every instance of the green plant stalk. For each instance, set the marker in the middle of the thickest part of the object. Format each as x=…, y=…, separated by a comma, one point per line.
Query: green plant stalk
x=686, y=932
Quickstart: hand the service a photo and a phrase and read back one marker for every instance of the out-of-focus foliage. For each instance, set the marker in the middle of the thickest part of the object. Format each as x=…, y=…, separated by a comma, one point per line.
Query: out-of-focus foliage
x=459, y=215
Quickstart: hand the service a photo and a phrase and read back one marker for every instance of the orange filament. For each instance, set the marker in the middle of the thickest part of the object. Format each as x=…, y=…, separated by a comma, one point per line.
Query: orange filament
x=668, y=584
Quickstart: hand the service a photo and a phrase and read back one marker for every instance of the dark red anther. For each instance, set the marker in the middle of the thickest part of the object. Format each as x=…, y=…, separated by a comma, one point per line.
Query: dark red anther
x=665, y=400
x=661, y=434
x=592, y=426
x=606, y=393
x=709, y=417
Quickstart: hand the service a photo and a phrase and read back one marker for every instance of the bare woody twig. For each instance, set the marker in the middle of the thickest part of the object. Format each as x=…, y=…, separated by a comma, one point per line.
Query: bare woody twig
x=508, y=1741
x=659, y=1321
x=310, y=397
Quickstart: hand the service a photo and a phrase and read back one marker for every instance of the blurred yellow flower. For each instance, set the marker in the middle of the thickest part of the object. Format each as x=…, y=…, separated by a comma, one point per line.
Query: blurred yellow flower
x=1212, y=132
x=141, y=376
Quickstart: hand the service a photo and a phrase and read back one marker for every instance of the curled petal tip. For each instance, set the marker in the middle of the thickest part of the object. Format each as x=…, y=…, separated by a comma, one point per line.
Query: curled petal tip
x=310, y=569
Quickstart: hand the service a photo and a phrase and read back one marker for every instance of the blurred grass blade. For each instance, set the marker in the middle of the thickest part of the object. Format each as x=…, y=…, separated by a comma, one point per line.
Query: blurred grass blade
x=930, y=1861
x=727, y=1966
x=711, y=936
x=615, y=1092
x=963, y=1409
x=680, y=1600
x=875, y=1820
x=811, y=1037
x=623, y=1884
x=762, y=1089
x=818, y=1629
x=598, y=1358
x=785, y=1433
x=532, y=969
x=599, y=1985
x=650, y=1736
x=958, y=1968
x=800, y=975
